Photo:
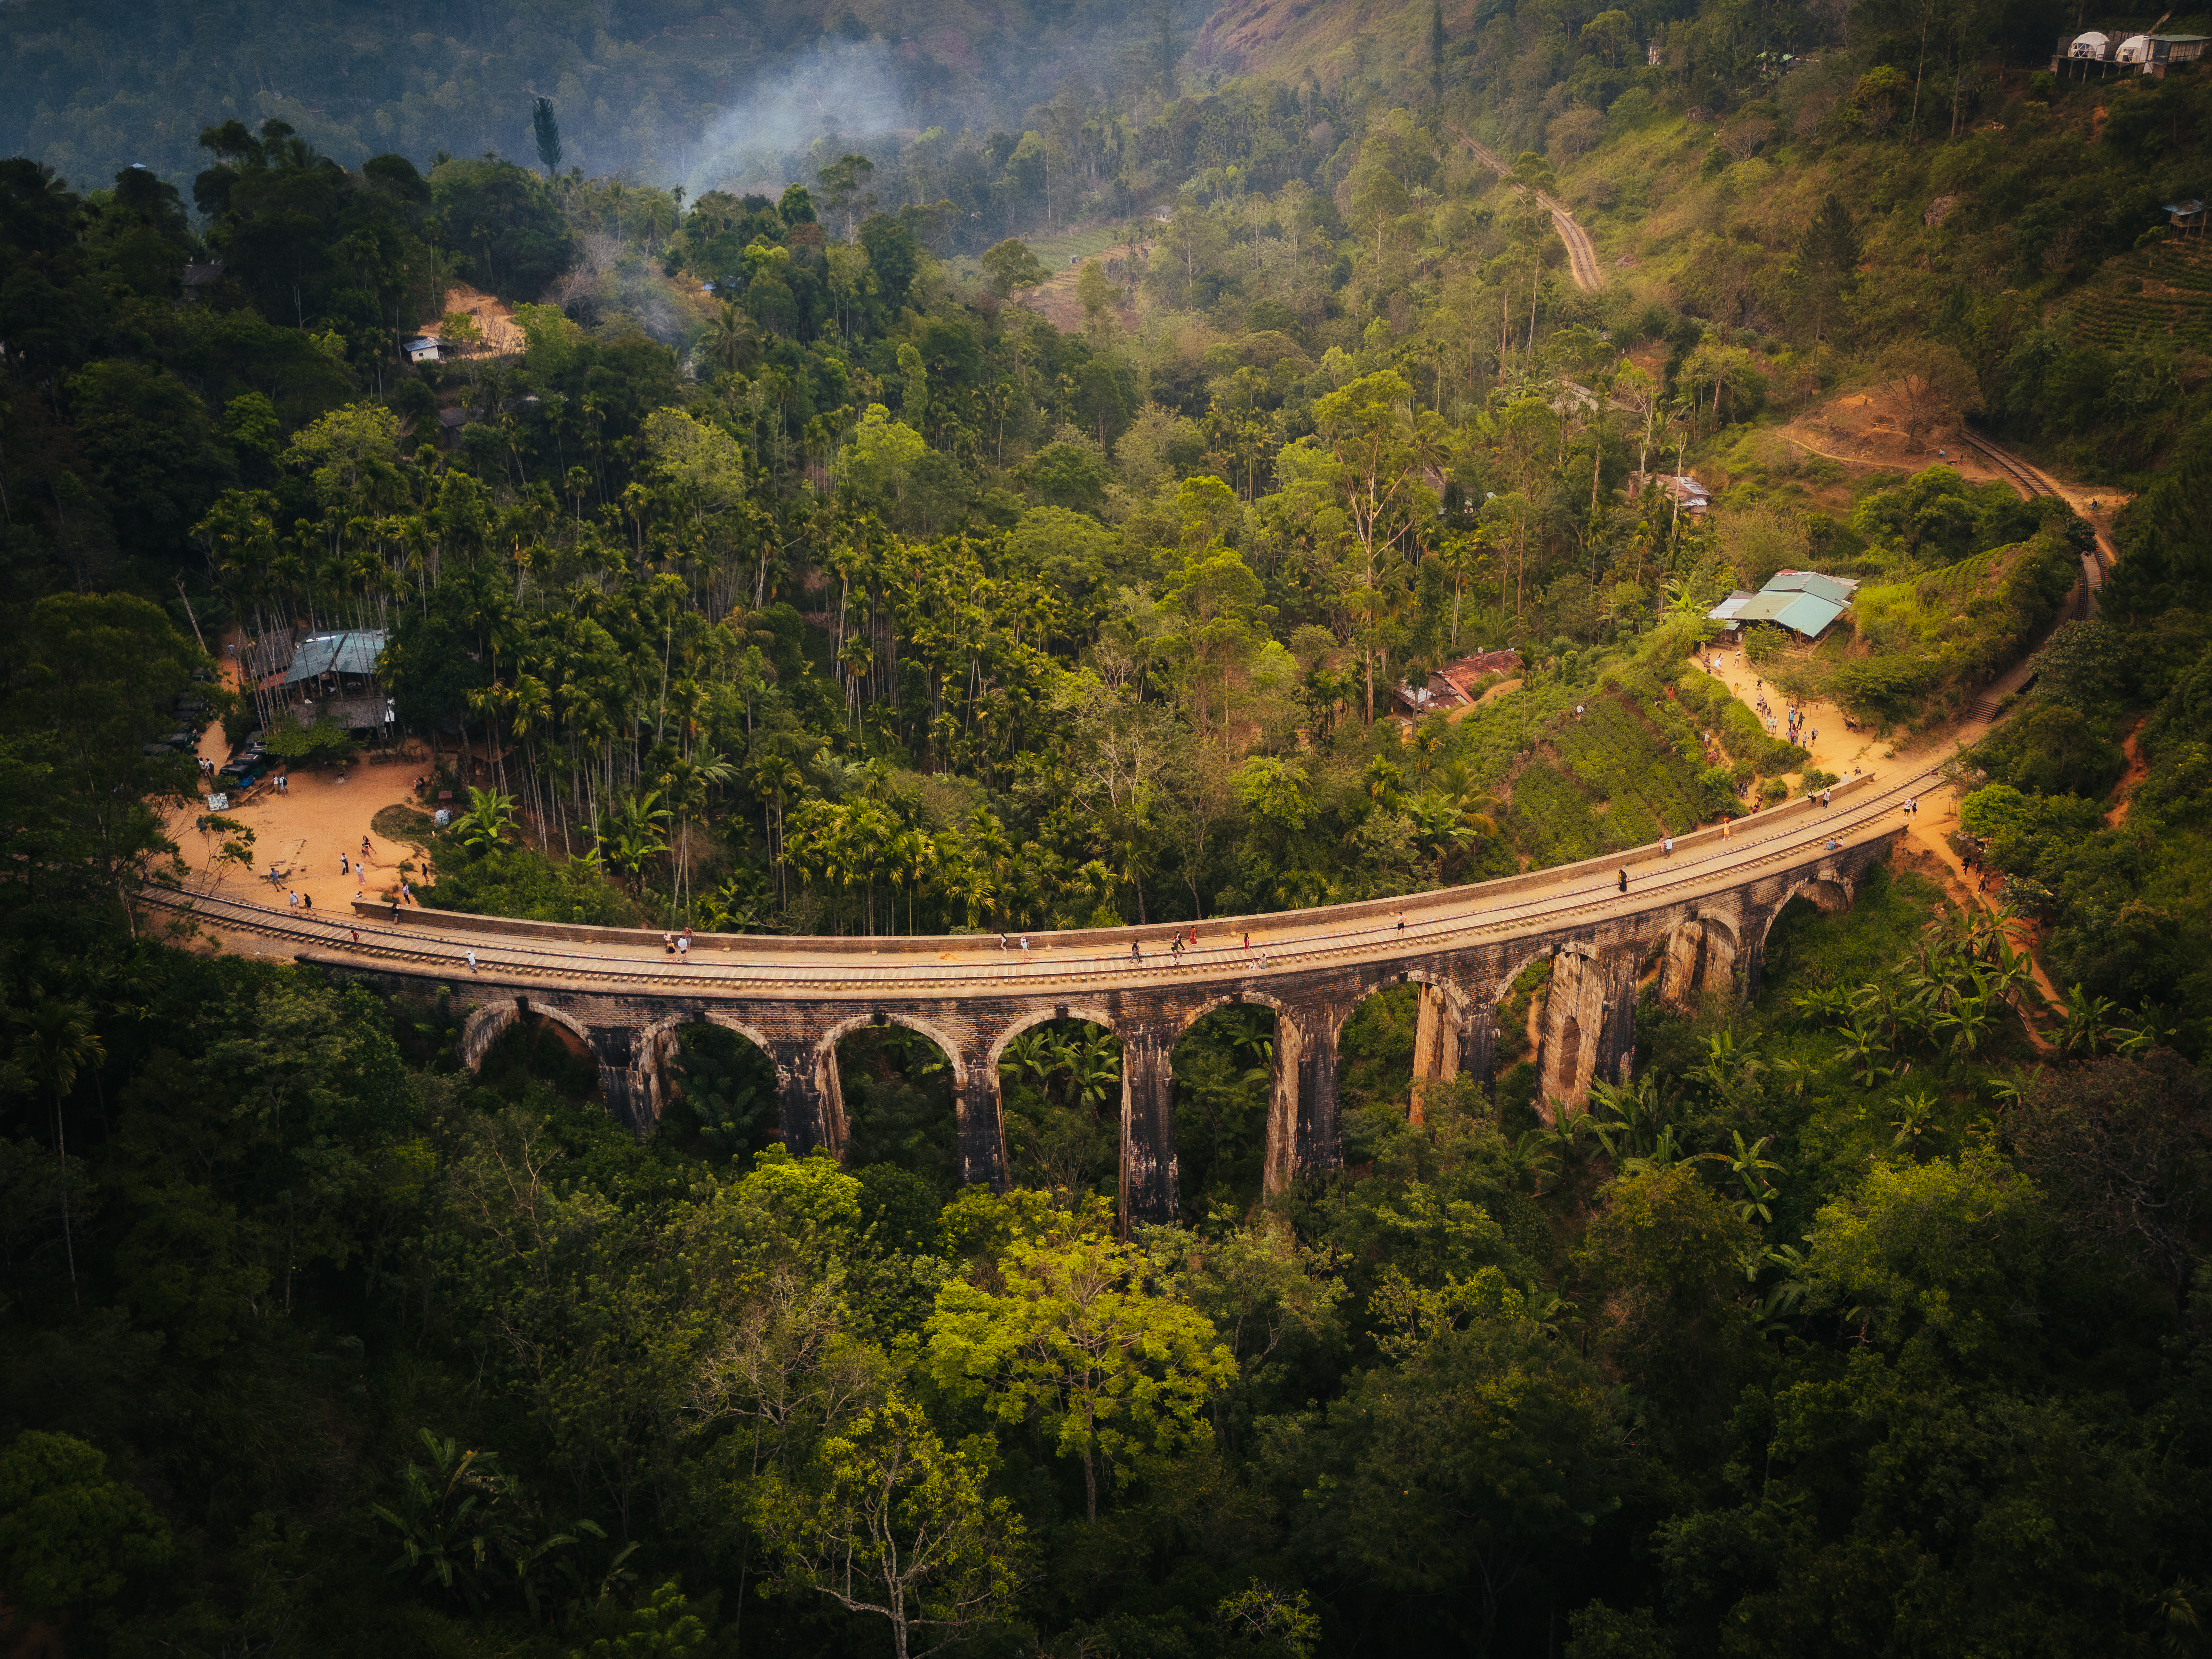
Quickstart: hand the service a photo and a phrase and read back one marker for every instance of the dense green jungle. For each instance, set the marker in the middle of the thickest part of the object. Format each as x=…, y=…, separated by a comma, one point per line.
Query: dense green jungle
x=893, y=470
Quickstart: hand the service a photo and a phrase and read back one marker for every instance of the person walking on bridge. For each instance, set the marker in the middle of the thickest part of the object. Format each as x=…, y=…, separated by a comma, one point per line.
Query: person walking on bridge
x=1136, y=954
x=1623, y=879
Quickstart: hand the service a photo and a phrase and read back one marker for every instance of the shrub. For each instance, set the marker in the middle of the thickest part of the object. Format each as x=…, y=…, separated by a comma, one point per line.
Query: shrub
x=517, y=881
x=1748, y=742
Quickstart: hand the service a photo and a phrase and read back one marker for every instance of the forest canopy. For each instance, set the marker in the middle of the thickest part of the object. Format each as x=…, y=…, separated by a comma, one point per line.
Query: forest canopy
x=1024, y=468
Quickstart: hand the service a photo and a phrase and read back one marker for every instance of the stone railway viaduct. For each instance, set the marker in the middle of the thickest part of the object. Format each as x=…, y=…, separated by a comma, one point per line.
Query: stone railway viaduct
x=1696, y=918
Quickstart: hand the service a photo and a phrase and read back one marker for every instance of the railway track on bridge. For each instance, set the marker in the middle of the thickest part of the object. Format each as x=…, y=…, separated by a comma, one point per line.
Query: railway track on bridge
x=1286, y=943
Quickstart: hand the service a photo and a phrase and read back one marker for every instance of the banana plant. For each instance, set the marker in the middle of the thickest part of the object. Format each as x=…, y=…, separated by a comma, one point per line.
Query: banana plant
x=2086, y=1023
x=2149, y=1030
x=1750, y=1166
x=1916, y=1128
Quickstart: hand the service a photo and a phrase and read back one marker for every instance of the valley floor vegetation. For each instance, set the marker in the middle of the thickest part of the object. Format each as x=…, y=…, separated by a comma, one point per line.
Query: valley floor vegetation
x=837, y=556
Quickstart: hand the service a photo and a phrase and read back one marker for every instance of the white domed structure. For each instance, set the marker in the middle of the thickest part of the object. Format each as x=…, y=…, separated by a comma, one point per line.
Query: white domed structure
x=2135, y=49
x=2091, y=44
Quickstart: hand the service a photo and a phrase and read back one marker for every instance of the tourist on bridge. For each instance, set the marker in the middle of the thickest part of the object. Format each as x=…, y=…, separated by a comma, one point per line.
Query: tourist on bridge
x=1136, y=952
x=1623, y=879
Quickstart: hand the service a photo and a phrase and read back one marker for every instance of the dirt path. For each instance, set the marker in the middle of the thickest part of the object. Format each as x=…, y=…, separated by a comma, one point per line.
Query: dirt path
x=1926, y=831
x=2138, y=770
x=301, y=831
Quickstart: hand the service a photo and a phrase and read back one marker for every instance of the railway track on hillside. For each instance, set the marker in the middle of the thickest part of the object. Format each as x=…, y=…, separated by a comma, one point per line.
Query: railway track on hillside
x=1582, y=252
x=2032, y=482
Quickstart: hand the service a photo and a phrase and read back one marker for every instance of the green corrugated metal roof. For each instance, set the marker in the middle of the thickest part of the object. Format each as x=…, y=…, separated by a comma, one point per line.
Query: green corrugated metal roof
x=351, y=653
x=1809, y=613
x=1813, y=582
x=1765, y=607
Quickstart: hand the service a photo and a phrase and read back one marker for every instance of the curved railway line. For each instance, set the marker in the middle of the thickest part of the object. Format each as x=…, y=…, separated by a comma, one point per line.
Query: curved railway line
x=966, y=965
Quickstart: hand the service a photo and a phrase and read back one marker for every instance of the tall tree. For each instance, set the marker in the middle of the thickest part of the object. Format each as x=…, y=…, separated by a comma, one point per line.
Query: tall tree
x=547, y=130
x=1823, y=270
x=1081, y=1336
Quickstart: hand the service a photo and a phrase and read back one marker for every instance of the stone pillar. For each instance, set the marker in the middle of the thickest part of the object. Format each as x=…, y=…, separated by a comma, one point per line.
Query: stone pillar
x=980, y=1124
x=615, y=1048
x=1282, y=1153
x=1753, y=956
x=1320, y=1136
x=1149, y=1189
x=1588, y=1028
x=1436, y=1043
x=486, y=1026
x=810, y=1100
x=1566, y=1033
x=1700, y=956
x=1616, y=1044
x=1478, y=1037
x=1303, y=1131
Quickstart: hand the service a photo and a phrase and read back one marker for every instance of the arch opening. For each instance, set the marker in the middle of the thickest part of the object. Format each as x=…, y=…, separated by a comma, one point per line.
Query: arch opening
x=515, y=1046
x=897, y=1086
x=1224, y=1064
x=1060, y=1083
x=1789, y=924
x=718, y=1090
x=1518, y=1018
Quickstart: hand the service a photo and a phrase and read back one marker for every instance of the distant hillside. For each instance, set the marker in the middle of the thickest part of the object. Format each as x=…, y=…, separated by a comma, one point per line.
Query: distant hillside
x=1329, y=39
x=650, y=86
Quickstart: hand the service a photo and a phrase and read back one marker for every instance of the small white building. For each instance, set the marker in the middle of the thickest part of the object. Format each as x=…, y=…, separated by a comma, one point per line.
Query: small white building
x=423, y=350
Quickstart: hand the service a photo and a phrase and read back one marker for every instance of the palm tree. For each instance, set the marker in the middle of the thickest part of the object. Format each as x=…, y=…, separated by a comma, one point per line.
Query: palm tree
x=776, y=779
x=57, y=1042
x=1095, y=1068
x=732, y=339
x=1134, y=854
x=909, y=855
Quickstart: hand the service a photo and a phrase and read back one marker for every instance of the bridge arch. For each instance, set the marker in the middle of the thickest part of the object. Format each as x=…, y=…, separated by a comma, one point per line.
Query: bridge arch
x=1088, y=1013
x=489, y=1021
x=826, y=1044
x=656, y=1048
x=1828, y=891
